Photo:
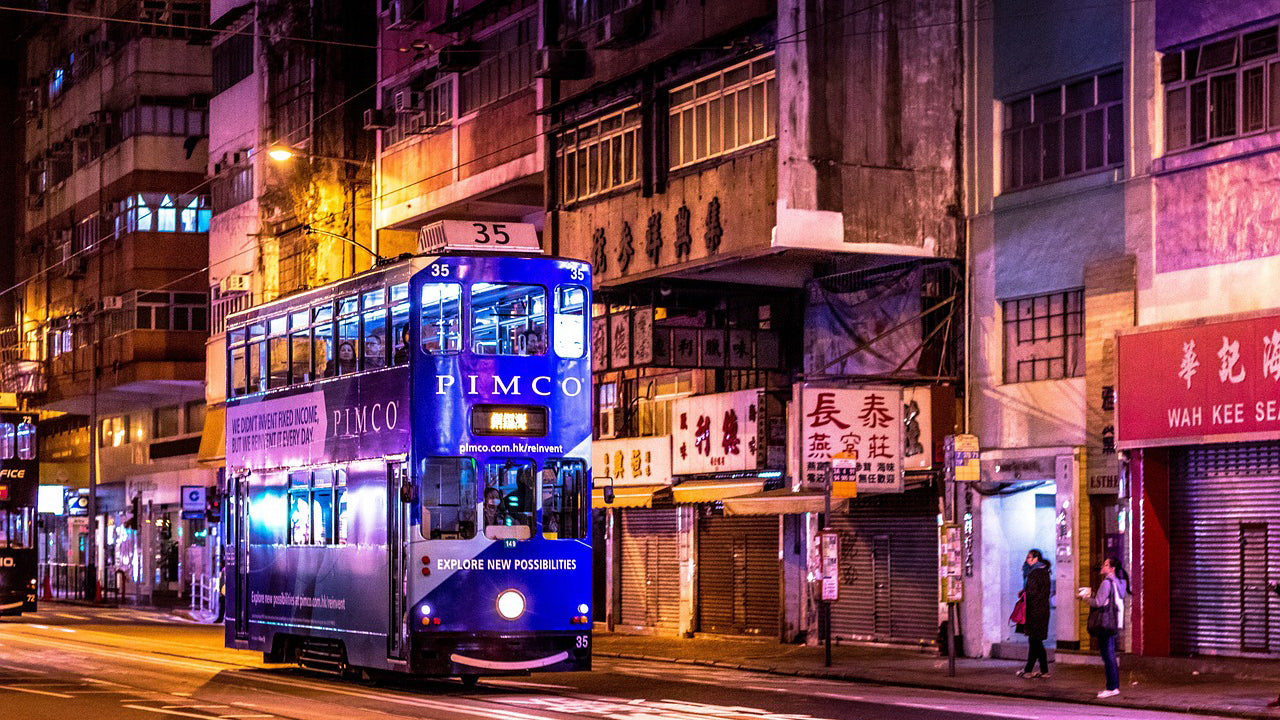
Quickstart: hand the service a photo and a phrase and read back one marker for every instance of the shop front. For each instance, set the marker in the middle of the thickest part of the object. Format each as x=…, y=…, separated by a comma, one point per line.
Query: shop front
x=1198, y=412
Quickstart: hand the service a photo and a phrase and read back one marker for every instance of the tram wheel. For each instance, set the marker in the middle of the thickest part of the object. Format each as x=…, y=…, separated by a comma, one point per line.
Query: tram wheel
x=469, y=680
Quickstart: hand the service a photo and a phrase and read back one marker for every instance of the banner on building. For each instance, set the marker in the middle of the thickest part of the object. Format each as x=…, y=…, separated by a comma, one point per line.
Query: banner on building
x=862, y=423
x=1203, y=382
x=632, y=461
x=716, y=433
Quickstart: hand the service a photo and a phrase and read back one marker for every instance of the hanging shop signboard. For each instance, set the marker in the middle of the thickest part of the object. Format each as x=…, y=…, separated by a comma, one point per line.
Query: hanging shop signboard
x=716, y=433
x=632, y=461
x=862, y=423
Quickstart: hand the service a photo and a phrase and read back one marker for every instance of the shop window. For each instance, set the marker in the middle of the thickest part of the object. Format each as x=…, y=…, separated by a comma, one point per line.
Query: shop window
x=1044, y=337
x=448, y=487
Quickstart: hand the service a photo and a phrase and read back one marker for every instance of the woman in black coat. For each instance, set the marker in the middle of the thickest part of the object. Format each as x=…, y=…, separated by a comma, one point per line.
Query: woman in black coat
x=1035, y=588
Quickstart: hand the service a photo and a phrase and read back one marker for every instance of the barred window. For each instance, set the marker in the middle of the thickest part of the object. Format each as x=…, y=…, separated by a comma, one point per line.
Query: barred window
x=290, y=82
x=1044, y=337
x=232, y=61
x=1063, y=131
x=506, y=66
x=173, y=19
x=599, y=155
x=174, y=120
x=722, y=112
x=231, y=188
x=1222, y=89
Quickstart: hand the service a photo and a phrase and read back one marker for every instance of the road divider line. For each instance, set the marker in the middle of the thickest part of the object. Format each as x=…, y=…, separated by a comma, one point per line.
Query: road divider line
x=162, y=711
x=36, y=692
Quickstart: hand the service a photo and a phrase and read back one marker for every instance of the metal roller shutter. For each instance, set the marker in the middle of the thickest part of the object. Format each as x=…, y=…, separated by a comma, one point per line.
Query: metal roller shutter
x=738, y=575
x=1224, y=503
x=888, y=569
x=651, y=569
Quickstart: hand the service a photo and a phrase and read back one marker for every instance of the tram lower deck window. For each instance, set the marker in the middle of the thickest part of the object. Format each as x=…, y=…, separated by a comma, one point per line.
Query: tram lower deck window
x=313, y=498
x=509, y=500
x=566, y=499
x=17, y=528
x=448, y=490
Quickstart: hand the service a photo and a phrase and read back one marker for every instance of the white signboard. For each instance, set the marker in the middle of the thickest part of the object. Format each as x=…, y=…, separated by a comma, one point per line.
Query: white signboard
x=193, y=498
x=473, y=236
x=715, y=433
x=632, y=461
x=865, y=423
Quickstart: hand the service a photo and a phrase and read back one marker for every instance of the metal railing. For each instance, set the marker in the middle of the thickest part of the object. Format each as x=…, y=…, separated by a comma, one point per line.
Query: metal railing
x=65, y=581
x=204, y=593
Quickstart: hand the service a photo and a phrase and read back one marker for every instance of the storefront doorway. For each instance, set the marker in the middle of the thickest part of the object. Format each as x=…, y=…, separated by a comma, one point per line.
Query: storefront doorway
x=1022, y=520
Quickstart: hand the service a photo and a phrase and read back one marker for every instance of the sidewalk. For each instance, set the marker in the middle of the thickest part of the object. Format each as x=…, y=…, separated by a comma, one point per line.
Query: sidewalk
x=1236, y=688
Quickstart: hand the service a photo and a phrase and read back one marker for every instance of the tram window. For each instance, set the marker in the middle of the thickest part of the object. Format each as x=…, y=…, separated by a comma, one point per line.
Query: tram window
x=448, y=489
x=441, y=328
x=348, y=344
x=239, y=379
x=349, y=305
x=300, y=320
x=342, y=514
x=375, y=339
x=322, y=345
x=26, y=441
x=17, y=529
x=300, y=508
x=321, y=516
x=570, y=324
x=374, y=299
x=300, y=343
x=509, y=499
x=508, y=319
x=400, y=293
x=8, y=441
x=566, y=500
x=400, y=334
x=257, y=363
x=278, y=355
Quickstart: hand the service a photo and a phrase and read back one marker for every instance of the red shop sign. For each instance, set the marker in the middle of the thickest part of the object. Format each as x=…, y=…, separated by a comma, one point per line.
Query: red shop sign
x=1205, y=382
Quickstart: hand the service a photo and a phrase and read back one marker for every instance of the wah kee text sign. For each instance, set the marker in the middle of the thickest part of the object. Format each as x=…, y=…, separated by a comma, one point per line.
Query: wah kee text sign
x=1217, y=381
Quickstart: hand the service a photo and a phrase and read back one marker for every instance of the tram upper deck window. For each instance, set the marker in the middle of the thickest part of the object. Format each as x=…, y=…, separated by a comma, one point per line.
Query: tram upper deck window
x=322, y=342
x=448, y=498
x=26, y=441
x=441, y=326
x=375, y=329
x=300, y=346
x=509, y=499
x=508, y=319
x=278, y=352
x=566, y=499
x=400, y=324
x=8, y=441
x=238, y=383
x=17, y=528
x=257, y=358
x=348, y=335
x=570, y=325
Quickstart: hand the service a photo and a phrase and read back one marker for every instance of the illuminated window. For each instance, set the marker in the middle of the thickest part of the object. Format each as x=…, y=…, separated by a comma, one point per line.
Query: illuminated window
x=508, y=319
x=448, y=487
x=725, y=111
x=7, y=441
x=509, y=499
x=570, y=324
x=566, y=499
x=441, y=317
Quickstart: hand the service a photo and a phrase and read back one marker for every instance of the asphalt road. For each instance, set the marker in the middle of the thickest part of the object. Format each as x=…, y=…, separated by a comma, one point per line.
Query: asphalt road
x=73, y=663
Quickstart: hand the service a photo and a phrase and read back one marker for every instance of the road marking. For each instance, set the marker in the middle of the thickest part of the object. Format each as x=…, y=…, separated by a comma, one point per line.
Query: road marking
x=245, y=716
x=35, y=692
x=162, y=711
x=518, y=683
x=72, y=617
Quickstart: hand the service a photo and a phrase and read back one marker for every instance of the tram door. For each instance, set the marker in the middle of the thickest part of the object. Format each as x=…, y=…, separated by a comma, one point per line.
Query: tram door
x=397, y=559
x=240, y=551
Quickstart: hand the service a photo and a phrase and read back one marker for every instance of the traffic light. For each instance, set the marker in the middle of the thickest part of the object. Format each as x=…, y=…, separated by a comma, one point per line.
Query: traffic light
x=213, y=505
x=135, y=512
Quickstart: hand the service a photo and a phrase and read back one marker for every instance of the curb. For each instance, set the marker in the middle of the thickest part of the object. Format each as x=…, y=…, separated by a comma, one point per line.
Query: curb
x=853, y=677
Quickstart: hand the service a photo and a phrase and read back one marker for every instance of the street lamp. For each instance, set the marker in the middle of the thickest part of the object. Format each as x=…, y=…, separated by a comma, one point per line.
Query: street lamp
x=281, y=152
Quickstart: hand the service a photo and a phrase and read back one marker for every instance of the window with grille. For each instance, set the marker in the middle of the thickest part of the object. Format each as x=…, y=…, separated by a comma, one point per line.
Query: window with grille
x=437, y=112
x=600, y=155
x=1063, y=131
x=506, y=66
x=290, y=83
x=1222, y=89
x=231, y=187
x=1044, y=337
x=724, y=111
x=232, y=61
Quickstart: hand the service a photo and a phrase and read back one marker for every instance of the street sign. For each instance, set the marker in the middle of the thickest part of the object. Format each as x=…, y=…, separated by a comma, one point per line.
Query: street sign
x=844, y=475
x=829, y=547
x=962, y=458
x=950, y=564
x=8, y=401
x=470, y=236
x=193, y=502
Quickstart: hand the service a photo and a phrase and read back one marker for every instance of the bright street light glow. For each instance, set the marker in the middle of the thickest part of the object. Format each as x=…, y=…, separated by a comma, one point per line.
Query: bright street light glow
x=280, y=153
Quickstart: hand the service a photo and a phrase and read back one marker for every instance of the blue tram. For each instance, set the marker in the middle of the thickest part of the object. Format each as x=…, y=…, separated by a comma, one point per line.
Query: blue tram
x=408, y=482
x=19, y=484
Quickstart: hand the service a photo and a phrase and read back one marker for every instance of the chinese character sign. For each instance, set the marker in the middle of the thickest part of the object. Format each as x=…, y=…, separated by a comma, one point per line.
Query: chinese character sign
x=1217, y=380
x=864, y=424
x=715, y=433
x=632, y=461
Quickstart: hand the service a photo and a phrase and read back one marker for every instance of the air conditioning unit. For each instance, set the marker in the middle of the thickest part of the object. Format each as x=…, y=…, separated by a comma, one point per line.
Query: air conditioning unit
x=112, y=302
x=623, y=27
x=409, y=100
x=458, y=57
x=607, y=423
x=378, y=119
x=561, y=63
x=404, y=14
x=234, y=284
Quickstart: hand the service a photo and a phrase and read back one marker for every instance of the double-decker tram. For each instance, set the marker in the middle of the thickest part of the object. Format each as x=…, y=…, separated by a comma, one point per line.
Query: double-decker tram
x=408, y=481
x=19, y=486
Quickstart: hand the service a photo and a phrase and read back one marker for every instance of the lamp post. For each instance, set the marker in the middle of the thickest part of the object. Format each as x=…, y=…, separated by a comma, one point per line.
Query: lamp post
x=282, y=153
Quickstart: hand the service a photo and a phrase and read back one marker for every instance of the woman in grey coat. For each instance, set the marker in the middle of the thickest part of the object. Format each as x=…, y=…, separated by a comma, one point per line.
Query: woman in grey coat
x=1112, y=589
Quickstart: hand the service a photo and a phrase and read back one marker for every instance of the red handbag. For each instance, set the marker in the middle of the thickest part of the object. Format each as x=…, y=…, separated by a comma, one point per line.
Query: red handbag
x=1019, y=614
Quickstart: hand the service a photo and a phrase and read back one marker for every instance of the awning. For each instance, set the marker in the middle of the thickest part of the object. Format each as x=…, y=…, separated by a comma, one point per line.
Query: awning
x=627, y=496
x=705, y=491
x=213, y=442
x=782, y=502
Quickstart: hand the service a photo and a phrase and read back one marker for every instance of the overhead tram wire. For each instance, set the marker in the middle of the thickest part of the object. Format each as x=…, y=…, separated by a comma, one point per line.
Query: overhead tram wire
x=787, y=39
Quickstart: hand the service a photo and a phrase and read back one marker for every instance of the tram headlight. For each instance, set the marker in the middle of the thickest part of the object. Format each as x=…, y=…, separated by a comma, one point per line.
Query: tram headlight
x=582, y=609
x=510, y=604
x=426, y=609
